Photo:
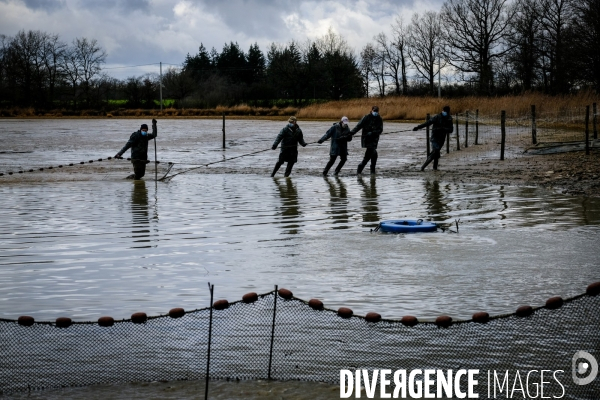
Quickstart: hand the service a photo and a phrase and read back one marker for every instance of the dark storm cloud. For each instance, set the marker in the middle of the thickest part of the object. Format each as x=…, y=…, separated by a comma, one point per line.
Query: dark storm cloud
x=127, y=6
x=44, y=5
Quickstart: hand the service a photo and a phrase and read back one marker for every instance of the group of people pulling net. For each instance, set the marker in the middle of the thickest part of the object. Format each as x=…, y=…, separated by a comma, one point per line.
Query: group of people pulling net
x=288, y=139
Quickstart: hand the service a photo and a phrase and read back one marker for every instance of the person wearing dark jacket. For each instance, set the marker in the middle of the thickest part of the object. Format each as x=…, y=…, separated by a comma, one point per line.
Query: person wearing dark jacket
x=442, y=126
x=138, y=142
x=340, y=136
x=372, y=126
x=289, y=137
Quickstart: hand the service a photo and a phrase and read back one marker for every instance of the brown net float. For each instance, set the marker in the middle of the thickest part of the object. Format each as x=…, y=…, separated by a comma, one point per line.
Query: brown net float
x=315, y=304
x=106, y=321
x=373, y=317
x=286, y=294
x=250, y=297
x=554, y=302
x=25, y=320
x=443, y=321
x=524, y=311
x=63, y=322
x=220, y=304
x=139, y=318
x=409, y=320
x=345, y=312
x=176, y=312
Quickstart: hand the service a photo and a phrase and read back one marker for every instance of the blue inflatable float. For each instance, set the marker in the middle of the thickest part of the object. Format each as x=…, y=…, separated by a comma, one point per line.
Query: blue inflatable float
x=407, y=226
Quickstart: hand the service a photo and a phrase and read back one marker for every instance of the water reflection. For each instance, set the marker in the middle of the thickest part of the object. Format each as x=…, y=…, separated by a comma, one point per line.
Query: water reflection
x=338, y=202
x=140, y=213
x=369, y=200
x=290, y=209
x=435, y=201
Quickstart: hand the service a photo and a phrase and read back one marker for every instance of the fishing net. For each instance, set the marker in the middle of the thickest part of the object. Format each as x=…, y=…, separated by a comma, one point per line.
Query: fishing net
x=288, y=339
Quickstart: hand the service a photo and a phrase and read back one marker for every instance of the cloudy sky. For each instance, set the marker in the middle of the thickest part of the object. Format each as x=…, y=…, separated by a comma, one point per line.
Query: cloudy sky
x=135, y=32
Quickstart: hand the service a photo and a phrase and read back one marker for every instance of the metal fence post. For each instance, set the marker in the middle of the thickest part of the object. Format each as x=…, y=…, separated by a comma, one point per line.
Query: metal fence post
x=457, y=135
x=533, y=126
x=477, y=126
x=427, y=130
x=272, y=332
x=467, y=130
x=223, y=130
x=503, y=131
x=587, y=130
x=211, y=288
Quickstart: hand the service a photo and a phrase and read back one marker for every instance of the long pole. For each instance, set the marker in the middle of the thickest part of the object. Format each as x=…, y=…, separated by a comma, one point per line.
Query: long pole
x=594, y=118
x=457, y=134
x=160, y=87
x=477, y=126
x=439, y=75
x=155, y=158
x=211, y=288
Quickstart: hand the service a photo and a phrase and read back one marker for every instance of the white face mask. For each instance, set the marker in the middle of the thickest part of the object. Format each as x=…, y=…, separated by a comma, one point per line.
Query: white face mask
x=444, y=113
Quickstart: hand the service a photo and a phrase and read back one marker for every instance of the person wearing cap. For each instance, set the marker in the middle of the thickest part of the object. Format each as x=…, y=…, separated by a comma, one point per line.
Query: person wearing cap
x=340, y=136
x=372, y=126
x=442, y=126
x=289, y=137
x=138, y=142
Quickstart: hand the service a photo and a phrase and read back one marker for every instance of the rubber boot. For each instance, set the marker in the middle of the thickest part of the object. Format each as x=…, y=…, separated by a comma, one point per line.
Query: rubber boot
x=288, y=169
x=359, y=169
x=429, y=159
x=373, y=162
x=328, y=166
x=277, y=165
x=435, y=164
x=339, y=166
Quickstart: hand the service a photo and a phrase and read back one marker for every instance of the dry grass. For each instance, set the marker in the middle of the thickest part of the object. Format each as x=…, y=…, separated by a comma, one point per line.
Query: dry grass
x=416, y=108
x=391, y=108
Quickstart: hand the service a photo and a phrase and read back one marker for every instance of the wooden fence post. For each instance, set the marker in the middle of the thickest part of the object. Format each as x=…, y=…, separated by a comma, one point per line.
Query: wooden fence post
x=477, y=126
x=457, y=135
x=587, y=130
x=467, y=130
x=427, y=130
x=594, y=121
x=503, y=132
x=533, y=125
x=223, y=130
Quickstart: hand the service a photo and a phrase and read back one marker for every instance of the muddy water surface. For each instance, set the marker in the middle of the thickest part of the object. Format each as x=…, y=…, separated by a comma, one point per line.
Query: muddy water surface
x=109, y=246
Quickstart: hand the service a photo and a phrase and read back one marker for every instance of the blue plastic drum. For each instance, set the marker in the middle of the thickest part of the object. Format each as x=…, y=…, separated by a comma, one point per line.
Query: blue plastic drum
x=407, y=226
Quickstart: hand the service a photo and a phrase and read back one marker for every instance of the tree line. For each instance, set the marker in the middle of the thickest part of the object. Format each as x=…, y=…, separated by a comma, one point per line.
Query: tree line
x=481, y=47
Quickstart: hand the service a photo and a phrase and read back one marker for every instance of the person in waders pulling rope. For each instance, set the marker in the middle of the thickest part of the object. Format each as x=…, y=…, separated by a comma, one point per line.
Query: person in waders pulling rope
x=138, y=142
x=289, y=137
x=372, y=127
x=340, y=136
x=442, y=126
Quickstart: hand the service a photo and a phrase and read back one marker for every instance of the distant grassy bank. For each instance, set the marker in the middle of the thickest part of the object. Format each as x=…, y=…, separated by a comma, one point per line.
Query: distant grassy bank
x=391, y=108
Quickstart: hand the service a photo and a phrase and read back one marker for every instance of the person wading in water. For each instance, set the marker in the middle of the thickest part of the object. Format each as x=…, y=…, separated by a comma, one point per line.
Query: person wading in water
x=289, y=137
x=138, y=142
x=340, y=136
x=442, y=126
x=372, y=127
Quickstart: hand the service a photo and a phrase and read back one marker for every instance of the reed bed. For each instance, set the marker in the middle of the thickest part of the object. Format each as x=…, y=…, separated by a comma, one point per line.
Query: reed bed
x=416, y=108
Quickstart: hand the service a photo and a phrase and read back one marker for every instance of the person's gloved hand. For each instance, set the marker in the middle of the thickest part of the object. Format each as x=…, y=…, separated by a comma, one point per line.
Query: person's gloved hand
x=416, y=128
x=304, y=145
x=273, y=147
x=118, y=156
x=153, y=121
x=319, y=141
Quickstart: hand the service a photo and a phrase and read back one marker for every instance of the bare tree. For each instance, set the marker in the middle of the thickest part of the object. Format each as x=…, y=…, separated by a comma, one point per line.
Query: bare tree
x=476, y=32
x=399, y=41
x=556, y=21
x=90, y=57
x=525, y=43
x=425, y=46
x=587, y=41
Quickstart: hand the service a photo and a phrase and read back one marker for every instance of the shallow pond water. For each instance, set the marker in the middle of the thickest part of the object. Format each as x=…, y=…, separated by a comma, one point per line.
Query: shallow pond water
x=110, y=246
